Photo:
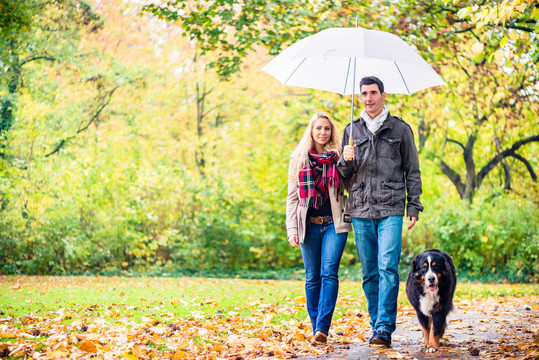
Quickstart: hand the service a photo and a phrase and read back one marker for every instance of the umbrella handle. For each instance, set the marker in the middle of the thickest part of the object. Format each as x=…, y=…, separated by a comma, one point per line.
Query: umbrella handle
x=351, y=143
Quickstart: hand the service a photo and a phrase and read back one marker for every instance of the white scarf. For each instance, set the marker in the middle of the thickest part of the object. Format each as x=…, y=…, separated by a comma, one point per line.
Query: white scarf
x=374, y=124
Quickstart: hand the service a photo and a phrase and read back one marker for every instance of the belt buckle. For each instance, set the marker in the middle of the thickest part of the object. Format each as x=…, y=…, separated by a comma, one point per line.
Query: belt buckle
x=317, y=220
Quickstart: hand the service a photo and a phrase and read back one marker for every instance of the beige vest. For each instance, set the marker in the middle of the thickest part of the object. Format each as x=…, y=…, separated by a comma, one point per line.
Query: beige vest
x=296, y=216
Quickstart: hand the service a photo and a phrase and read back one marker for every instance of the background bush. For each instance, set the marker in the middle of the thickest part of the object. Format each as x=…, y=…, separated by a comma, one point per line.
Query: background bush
x=496, y=238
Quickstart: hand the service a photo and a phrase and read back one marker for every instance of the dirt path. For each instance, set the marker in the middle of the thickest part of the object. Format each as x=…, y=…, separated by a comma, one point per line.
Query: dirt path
x=495, y=329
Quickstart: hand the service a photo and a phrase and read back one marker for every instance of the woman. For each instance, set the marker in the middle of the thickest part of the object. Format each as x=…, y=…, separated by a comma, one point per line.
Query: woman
x=314, y=218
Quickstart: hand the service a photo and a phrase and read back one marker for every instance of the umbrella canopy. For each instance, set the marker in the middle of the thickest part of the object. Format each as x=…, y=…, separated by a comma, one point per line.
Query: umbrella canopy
x=334, y=58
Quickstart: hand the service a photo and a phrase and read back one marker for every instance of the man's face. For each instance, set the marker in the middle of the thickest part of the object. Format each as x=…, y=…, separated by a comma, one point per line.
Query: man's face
x=372, y=99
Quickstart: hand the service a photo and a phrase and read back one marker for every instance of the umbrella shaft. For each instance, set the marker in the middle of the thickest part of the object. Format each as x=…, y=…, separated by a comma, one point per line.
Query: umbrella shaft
x=353, y=94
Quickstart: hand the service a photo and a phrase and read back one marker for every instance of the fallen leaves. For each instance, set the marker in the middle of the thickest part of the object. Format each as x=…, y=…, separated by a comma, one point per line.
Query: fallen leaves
x=218, y=336
x=16, y=287
x=88, y=346
x=255, y=327
x=473, y=351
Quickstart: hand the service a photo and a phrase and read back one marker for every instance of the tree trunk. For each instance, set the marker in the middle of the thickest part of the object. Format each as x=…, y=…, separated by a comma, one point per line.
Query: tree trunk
x=470, y=169
x=13, y=75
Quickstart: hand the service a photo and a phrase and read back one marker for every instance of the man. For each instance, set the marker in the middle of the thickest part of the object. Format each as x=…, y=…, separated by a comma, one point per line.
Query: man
x=382, y=174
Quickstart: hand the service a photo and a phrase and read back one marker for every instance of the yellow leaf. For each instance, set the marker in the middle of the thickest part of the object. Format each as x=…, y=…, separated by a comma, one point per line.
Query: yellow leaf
x=57, y=354
x=499, y=55
x=105, y=348
x=179, y=355
x=520, y=8
x=267, y=320
x=183, y=344
x=477, y=47
x=129, y=356
x=218, y=348
x=513, y=35
x=158, y=339
x=88, y=346
x=300, y=300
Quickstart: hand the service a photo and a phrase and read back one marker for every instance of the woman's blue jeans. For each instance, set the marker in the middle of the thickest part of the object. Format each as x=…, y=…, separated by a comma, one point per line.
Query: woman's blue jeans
x=322, y=251
x=378, y=244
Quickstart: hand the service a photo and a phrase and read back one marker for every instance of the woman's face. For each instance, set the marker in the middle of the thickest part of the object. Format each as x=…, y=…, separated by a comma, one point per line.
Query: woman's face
x=321, y=132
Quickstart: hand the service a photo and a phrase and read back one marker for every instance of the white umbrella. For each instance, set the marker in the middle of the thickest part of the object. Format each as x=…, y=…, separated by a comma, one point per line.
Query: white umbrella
x=326, y=60
x=334, y=58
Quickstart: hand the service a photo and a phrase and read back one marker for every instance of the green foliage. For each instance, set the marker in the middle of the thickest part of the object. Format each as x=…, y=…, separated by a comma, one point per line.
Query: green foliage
x=495, y=238
x=125, y=154
x=234, y=29
x=37, y=31
x=472, y=127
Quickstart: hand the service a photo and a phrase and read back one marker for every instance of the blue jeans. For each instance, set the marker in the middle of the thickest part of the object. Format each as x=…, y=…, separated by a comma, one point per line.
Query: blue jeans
x=378, y=244
x=322, y=251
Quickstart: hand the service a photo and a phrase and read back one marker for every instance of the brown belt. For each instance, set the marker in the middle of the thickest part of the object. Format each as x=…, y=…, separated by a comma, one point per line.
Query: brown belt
x=319, y=220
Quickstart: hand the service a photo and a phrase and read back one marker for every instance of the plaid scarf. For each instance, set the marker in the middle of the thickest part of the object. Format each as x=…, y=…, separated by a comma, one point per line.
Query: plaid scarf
x=316, y=176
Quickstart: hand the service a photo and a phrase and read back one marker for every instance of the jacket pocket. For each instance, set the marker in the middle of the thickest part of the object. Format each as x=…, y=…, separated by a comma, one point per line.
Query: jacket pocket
x=389, y=147
x=361, y=149
x=398, y=193
x=357, y=194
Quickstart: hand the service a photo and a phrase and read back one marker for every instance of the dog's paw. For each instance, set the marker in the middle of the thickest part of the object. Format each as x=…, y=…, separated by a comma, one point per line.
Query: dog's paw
x=432, y=350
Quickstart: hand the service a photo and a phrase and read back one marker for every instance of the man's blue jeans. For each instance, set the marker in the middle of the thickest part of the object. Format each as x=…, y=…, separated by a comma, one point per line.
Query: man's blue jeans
x=322, y=251
x=378, y=244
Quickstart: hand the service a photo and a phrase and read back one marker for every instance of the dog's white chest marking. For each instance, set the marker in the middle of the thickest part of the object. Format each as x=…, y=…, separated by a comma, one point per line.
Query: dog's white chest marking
x=431, y=299
x=428, y=301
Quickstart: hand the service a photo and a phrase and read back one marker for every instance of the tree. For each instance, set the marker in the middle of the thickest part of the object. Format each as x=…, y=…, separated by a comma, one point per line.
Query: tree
x=486, y=54
x=36, y=31
x=234, y=29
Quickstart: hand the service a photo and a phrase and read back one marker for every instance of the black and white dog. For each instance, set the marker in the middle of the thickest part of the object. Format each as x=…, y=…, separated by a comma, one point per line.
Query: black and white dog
x=430, y=288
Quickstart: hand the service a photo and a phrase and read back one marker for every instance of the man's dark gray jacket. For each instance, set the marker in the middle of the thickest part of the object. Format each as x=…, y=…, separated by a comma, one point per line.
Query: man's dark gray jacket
x=386, y=176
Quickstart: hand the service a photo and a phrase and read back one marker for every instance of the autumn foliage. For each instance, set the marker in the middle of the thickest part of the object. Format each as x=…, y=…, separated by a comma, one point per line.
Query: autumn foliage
x=198, y=318
x=123, y=151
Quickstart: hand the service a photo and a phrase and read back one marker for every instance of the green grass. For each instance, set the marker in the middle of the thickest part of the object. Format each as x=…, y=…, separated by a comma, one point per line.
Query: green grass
x=149, y=299
x=347, y=271
x=139, y=299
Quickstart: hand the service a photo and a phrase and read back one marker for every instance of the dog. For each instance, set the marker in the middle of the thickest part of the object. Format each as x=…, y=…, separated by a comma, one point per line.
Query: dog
x=430, y=288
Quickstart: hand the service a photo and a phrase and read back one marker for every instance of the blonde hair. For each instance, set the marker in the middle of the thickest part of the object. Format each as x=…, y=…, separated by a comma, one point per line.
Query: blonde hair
x=300, y=155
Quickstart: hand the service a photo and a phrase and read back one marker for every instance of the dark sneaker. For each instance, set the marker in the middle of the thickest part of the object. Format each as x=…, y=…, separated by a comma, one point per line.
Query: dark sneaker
x=372, y=337
x=381, y=338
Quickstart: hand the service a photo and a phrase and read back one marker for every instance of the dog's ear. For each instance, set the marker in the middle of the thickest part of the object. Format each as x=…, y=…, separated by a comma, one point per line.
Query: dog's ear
x=449, y=268
x=414, y=264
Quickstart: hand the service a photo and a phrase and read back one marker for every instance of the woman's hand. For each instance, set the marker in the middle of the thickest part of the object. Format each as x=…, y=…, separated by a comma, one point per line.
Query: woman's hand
x=293, y=240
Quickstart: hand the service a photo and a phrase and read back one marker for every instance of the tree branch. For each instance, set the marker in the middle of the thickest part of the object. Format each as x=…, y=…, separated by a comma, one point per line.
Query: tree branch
x=43, y=57
x=458, y=143
x=528, y=165
x=508, y=152
x=453, y=176
x=521, y=28
x=62, y=142
x=96, y=115
x=463, y=30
